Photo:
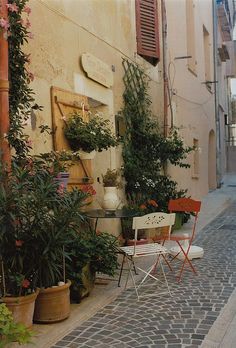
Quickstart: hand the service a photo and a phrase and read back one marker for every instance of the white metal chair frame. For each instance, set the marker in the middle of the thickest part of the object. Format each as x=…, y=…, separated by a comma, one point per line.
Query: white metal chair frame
x=149, y=221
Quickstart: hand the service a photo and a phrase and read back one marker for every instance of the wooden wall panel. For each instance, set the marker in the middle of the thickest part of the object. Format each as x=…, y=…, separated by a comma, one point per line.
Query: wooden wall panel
x=63, y=104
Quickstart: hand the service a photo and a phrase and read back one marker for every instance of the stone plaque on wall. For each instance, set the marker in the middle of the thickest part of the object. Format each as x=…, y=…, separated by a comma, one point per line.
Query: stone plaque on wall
x=97, y=70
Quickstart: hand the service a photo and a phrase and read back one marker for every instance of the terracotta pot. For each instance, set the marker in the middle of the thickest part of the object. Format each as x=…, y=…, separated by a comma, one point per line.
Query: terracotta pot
x=22, y=308
x=53, y=304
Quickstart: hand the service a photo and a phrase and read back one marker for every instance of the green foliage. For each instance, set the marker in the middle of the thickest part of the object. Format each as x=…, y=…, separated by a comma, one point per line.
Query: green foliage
x=58, y=161
x=38, y=219
x=11, y=331
x=111, y=178
x=146, y=150
x=95, y=134
x=97, y=250
x=21, y=96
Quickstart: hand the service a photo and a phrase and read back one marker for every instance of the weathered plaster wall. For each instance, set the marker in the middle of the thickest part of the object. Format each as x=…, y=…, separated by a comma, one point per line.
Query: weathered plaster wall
x=63, y=31
x=193, y=103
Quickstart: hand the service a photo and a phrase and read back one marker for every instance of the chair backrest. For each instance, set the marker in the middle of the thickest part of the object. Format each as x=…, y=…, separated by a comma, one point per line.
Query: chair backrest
x=153, y=220
x=186, y=205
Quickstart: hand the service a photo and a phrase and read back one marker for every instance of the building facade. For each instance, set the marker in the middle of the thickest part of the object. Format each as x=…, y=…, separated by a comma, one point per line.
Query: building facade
x=77, y=52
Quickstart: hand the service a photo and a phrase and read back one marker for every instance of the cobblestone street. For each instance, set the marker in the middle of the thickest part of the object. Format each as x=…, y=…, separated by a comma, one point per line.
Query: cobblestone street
x=182, y=320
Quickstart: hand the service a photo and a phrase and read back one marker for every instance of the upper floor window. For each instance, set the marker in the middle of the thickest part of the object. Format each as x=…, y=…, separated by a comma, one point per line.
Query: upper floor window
x=148, y=45
x=190, y=33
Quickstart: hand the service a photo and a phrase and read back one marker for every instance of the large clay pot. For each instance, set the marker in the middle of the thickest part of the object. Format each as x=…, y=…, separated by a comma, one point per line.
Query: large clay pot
x=110, y=199
x=53, y=304
x=22, y=308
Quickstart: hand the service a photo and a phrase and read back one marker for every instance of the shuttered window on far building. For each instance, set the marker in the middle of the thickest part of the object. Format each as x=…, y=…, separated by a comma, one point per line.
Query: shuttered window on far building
x=147, y=29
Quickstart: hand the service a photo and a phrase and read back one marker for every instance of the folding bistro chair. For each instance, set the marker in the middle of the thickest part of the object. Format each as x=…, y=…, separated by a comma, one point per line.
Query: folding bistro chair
x=190, y=206
x=131, y=253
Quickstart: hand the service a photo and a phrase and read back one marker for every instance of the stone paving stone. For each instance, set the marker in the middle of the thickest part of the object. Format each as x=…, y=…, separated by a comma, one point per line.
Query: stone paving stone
x=182, y=320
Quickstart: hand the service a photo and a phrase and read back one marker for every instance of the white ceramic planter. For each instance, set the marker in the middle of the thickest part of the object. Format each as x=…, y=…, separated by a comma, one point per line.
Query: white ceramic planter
x=110, y=199
x=87, y=155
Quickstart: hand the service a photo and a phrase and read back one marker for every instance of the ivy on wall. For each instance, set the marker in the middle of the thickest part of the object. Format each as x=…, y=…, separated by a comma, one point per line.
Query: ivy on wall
x=145, y=149
x=21, y=96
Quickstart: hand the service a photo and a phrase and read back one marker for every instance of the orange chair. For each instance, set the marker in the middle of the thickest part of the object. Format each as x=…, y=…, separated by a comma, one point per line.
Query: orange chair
x=190, y=206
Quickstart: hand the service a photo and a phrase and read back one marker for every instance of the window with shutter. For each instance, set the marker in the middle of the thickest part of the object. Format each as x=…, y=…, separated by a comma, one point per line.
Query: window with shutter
x=148, y=45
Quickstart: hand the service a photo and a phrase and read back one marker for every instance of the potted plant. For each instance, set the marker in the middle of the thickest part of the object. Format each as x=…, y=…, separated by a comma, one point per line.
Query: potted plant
x=38, y=220
x=88, y=136
x=111, y=181
x=18, y=283
x=136, y=203
x=11, y=331
x=90, y=253
x=58, y=163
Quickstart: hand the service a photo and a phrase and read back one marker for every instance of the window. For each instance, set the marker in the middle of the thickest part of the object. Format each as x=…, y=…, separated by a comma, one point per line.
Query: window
x=148, y=45
x=190, y=28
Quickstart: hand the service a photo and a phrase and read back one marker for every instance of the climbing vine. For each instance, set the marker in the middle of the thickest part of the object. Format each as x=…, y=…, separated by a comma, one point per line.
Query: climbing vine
x=21, y=96
x=145, y=149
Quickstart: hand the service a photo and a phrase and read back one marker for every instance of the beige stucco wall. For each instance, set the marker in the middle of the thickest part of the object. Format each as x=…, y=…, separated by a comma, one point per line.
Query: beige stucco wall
x=193, y=103
x=63, y=31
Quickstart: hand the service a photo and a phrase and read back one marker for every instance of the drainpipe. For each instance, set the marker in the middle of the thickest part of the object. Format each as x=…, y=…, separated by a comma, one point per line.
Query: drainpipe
x=4, y=91
x=217, y=116
x=165, y=79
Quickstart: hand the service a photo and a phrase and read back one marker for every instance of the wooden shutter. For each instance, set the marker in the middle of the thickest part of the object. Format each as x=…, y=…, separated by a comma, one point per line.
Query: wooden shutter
x=63, y=104
x=148, y=45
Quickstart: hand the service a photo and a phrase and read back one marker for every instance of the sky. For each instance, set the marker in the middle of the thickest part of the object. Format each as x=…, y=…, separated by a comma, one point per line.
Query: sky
x=233, y=86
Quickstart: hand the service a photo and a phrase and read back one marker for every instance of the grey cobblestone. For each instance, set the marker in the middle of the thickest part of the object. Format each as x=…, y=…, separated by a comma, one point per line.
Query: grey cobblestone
x=182, y=320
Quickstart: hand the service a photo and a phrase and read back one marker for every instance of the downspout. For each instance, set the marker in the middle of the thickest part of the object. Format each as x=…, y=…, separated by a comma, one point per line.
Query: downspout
x=4, y=91
x=216, y=99
x=165, y=79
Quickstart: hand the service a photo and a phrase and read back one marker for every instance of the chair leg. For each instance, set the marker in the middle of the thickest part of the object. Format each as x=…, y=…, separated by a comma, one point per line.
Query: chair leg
x=186, y=259
x=164, y=275
x=130, y=272
x=121, y=270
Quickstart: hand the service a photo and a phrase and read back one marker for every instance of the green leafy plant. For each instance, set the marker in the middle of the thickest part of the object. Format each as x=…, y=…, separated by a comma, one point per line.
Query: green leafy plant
x=111, y=178
x=95, y=134
x=38, y=219
x=11, y=331
x=59, y=161
x=97, y=251
x=145, y=149
x=21, y=96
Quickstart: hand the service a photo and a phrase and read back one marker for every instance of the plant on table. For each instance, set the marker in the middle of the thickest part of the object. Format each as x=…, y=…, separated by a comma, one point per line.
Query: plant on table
x=94, y=134
x=111, y=178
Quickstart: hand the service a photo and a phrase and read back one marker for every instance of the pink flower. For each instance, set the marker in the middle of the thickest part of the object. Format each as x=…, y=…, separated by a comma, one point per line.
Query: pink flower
x=4, y=24
x=30, y=75
x=27, y=23
x=19, y=243
x=27, y=10
x=29, y=143
x=31, y=35
x=61, y=189
x=12, y=7
x=25, y=283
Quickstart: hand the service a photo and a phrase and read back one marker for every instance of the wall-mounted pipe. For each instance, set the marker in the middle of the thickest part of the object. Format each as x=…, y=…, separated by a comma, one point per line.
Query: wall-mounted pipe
x=4, y=91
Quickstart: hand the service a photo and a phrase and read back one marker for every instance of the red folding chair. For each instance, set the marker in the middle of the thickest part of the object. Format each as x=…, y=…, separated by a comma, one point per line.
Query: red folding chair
x=190, y=206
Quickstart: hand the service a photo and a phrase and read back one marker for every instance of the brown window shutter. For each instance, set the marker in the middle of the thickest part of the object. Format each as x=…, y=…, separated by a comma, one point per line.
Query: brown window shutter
x=147, y=28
